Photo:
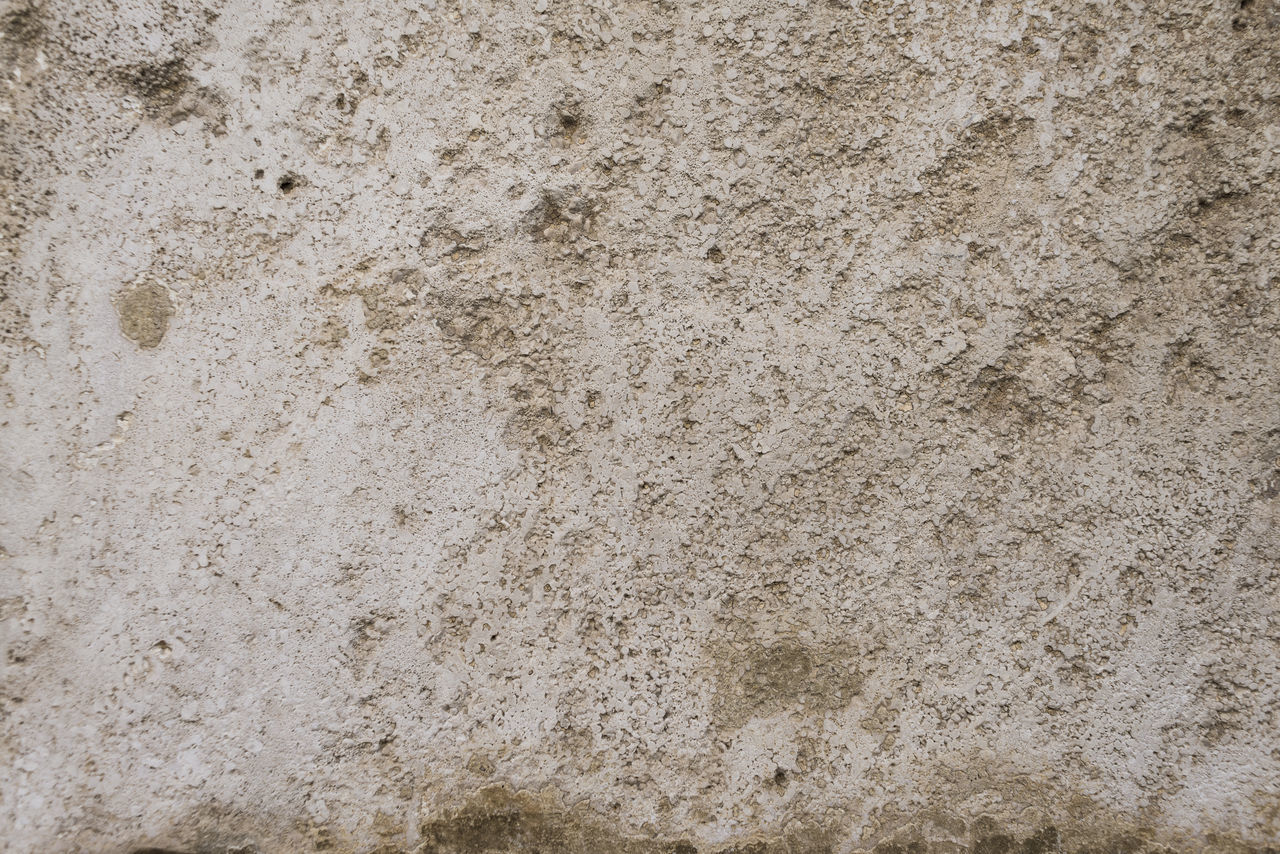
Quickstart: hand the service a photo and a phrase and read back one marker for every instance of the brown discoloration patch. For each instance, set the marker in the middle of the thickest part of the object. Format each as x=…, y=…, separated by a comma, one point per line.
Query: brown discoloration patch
x=169, y=93
x=497, y=820
x=485, y=325
x=802, y=839
x=762, y=680
x=160, y=85
x=563, y=125
x=21, y=30
x=564, y=217
x=144, y=309
x=991, y=808
x=988, y=836
x=389, y=303
x=1024, y=817
x=332, y=332
x=223, y=829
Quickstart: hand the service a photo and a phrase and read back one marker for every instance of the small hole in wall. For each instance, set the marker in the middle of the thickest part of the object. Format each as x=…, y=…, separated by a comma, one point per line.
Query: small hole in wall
x=257, y=174
x=779, y=777
x=287, y=183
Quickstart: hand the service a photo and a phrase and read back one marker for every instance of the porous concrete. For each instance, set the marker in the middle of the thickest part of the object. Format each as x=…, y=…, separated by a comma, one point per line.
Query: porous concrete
x=460, y=426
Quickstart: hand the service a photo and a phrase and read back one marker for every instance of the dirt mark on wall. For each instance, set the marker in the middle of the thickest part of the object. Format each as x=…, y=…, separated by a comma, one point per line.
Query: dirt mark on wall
x=144, y=309
x=1020, y=817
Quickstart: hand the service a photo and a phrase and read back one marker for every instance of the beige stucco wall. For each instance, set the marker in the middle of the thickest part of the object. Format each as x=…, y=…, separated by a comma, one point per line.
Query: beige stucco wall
x=640, y=426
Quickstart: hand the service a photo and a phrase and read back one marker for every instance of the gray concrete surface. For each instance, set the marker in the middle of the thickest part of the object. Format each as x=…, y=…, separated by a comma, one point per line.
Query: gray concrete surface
x=640, y=426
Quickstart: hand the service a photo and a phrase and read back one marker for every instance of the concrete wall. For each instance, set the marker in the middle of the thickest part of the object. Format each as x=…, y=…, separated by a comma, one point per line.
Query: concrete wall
x=640, y=426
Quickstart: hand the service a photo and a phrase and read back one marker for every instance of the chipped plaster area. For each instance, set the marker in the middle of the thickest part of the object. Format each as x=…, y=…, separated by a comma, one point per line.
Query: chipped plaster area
x=640, y=426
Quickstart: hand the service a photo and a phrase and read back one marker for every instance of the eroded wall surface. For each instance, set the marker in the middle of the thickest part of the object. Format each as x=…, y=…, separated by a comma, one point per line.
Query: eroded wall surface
x=640, y=426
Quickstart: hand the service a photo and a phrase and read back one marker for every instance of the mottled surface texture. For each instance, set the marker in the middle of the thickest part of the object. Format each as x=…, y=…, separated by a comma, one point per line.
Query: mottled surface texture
x=777, y=427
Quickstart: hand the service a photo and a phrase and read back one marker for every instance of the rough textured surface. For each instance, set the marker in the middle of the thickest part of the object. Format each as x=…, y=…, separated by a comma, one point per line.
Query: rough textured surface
x=640, y=426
